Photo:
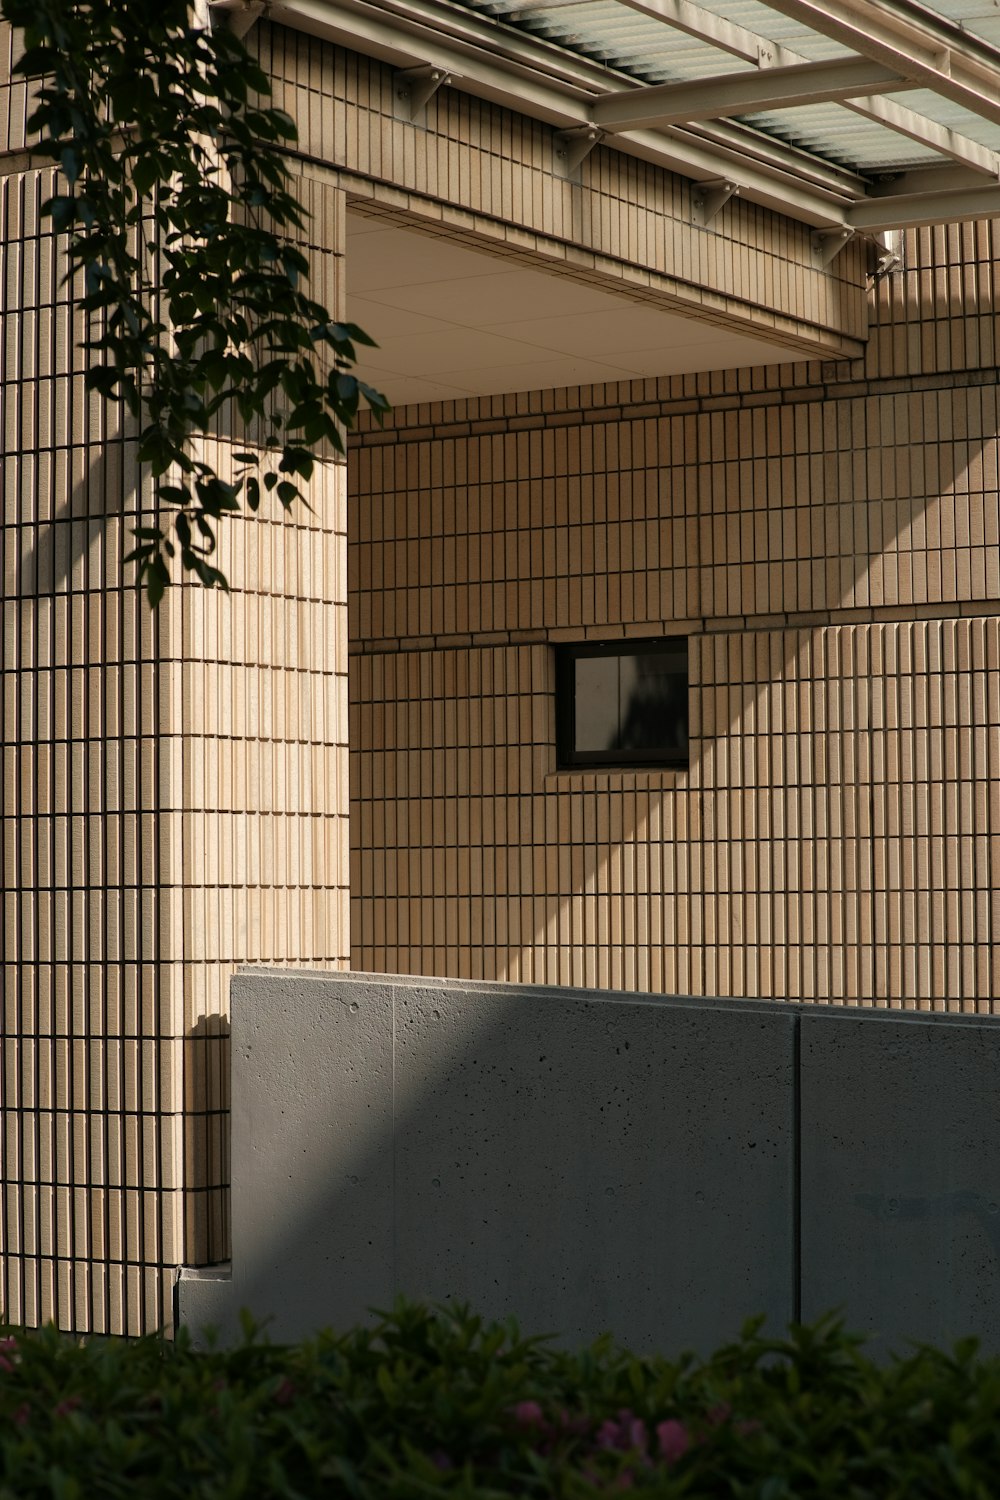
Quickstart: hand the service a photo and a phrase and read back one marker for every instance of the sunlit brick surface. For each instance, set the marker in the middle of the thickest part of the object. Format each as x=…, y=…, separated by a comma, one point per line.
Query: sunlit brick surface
x=829, y=538
x=174, y=803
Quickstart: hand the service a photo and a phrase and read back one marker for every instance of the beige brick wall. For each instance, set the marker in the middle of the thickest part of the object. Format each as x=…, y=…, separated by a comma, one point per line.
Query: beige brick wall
x=175, y=794
x=829, y=538
x=175, y=803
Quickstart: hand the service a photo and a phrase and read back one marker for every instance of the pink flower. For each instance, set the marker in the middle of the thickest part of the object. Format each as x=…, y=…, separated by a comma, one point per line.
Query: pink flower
x=719, y=1414
x=71, y=1403
x=607, y=1434
x=627, y=1433
x=22, y=1414
x=673, y=1439
x=636, y=1436
x=5, y=1363
x=285, y=1394
x=527, y=1414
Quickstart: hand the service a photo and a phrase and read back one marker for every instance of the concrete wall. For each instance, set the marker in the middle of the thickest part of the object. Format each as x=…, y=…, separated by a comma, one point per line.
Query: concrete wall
x=663, y=1168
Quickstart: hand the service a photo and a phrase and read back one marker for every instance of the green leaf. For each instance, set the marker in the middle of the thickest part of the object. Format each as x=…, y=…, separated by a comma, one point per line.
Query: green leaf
x=62, y=212
x=157, y=222
x=144, y=174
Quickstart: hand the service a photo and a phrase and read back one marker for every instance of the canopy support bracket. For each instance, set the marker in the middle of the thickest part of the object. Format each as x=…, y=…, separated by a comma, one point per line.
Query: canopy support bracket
x=416, y=87
x=828, y=243
x=574, y=146
x=707, y=198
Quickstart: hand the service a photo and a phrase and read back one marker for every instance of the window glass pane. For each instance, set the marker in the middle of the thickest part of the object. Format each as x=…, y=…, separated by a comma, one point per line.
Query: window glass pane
x=596, y=702
x=622, y=706
x=654, y=703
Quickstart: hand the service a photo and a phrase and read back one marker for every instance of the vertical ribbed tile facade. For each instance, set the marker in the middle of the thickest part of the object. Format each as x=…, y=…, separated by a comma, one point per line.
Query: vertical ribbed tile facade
x=828, y=537
x=176, y=791
x=174, y=803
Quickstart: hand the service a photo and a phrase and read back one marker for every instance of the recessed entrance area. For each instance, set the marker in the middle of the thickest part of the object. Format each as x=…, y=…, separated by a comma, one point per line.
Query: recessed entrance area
x=453, y=322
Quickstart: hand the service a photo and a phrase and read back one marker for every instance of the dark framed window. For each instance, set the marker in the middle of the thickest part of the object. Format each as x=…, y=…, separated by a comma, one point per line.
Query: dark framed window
x=624, y=704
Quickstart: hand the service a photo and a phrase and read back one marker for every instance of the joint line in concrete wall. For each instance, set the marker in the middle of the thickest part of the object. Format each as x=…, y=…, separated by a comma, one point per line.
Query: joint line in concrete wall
x=797, y=1170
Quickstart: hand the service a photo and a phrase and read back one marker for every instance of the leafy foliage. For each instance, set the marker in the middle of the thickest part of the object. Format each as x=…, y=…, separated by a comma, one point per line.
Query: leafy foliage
x=439, y=1403
x=181, y=218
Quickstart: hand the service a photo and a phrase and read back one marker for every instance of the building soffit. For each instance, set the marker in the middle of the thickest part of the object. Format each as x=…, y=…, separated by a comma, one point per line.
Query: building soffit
x=847, y=115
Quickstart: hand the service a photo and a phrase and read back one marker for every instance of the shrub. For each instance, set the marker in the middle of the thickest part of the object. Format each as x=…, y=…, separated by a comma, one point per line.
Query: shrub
x=437, y=1402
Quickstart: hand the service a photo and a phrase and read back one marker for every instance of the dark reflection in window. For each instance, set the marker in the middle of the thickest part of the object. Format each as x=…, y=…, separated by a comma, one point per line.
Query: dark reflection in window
x=623, y=705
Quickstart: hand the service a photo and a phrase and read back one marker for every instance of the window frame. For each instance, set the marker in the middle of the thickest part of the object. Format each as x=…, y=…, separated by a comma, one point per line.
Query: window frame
x=568, y=757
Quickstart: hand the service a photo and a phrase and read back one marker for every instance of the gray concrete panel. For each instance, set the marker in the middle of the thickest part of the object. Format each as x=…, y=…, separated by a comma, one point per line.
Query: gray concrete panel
x=311, y=1158
x=592, y=1164
x=597, y=1161
x=901, y=1175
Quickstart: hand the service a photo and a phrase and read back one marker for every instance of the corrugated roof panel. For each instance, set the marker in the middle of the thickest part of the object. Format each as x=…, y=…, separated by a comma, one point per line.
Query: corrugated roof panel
x=924, y=102
x=645, y=48
x=776, y=27
x=977, y=17
x=839, y=135
x=650, y=49
x=606, y=31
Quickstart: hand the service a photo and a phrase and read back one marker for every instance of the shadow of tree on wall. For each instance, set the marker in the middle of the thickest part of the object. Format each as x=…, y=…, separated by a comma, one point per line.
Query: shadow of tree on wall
x=207, y=1071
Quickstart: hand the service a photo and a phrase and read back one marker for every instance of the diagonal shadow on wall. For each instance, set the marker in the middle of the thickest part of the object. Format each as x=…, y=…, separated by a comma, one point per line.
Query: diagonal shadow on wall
x=592, y=1161
x=811, y=851
x=585, y=1163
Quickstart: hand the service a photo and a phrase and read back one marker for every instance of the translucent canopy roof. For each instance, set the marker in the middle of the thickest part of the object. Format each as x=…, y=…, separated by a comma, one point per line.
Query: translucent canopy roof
x=661, y=43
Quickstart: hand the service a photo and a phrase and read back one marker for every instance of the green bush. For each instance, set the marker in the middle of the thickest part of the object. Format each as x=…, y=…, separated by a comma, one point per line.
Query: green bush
x=440, y=1403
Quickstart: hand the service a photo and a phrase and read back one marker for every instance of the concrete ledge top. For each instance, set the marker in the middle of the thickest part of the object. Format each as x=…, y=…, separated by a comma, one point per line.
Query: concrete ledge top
x=820, y=1010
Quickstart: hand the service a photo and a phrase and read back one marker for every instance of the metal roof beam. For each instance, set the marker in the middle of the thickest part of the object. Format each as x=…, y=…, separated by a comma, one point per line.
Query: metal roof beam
x=917, y=210
x=932, y=179
x=931, y=53
x=744, y=93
